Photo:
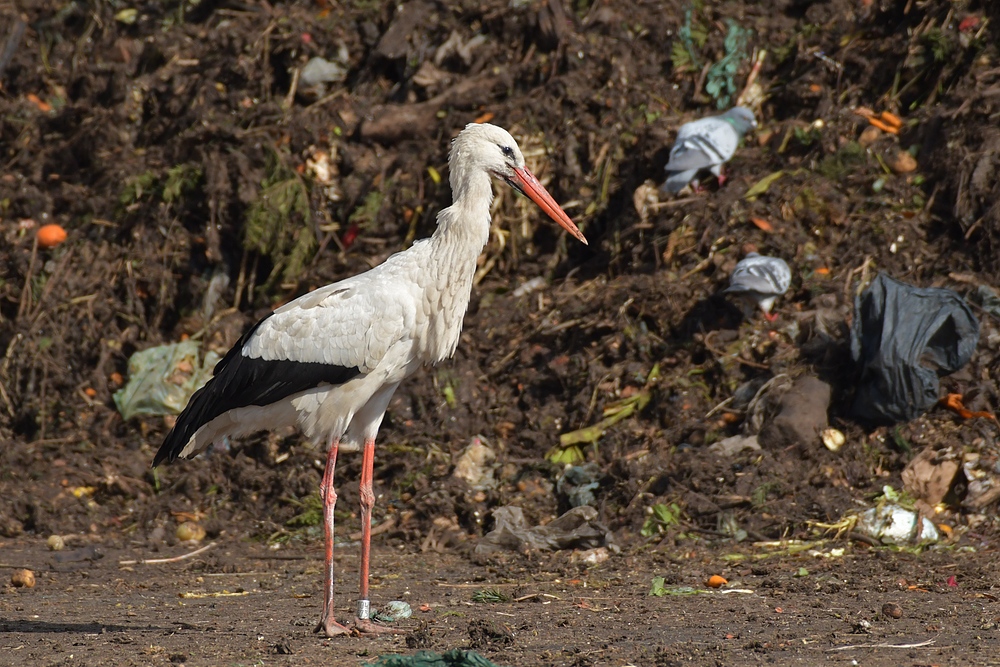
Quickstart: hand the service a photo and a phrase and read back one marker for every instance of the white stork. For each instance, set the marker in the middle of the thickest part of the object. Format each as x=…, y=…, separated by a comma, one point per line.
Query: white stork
x=329, y=361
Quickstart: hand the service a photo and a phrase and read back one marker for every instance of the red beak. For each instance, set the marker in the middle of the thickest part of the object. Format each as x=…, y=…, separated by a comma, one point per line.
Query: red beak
x=529, y=185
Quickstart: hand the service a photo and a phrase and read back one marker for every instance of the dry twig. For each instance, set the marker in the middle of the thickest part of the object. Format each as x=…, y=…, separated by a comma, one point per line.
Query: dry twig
x=853, y=646
x=157, y=561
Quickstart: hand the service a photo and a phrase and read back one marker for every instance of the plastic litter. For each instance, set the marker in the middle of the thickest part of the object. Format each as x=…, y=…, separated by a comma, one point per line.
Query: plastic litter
x=904, y=338
x=576, y=529
x=931, y=474
x=162, y=379
x=577, y=484
x=474, y=465
x=454, y=658
x=393, y=611
x=734, y=444
x=891, y=523
x=988, y=299
x=590, y=556
x=319, y=71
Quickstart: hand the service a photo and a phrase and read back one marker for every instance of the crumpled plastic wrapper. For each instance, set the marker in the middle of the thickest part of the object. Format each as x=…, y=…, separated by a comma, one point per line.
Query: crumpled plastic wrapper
x=905, y=338
x=892, y=524
x=578, y=484
x=162, y=379
x=576, y=529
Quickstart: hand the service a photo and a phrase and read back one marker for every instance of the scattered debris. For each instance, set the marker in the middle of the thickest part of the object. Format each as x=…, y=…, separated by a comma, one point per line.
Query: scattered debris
x=23, y=579
x=473, y=465
x=802, y=415
x=282, y=647
x=891, y=523
x=929, y=642
x=591, y=556
x=892, y=610
x=763, y=185
x=885, y=122
x=453, y=658
x=932, y=474
x=577, y=485
x=716, y=581
x=734, y=444
x=529, y=286
x=903, y=163
x=88, y=553
x=215, y=594
x=174, y=559
x=455, y=45
x=568, y=450
x=661, y=516
x=833, y=439
x=954, y=403
x=163, y=378
x=658, y=588
x=319, y=71
x=987, y=299
x=869, y=136
x=190, y=532
x=490, y=595
x=577, y=528
x=490, y=635
x=904, y=338
x=55, y=543
x=49, y=236
x=321, y=164
x=393, y=611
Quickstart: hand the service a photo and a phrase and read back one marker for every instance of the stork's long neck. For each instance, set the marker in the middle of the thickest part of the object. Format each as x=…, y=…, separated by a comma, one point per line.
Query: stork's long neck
x=462, y=232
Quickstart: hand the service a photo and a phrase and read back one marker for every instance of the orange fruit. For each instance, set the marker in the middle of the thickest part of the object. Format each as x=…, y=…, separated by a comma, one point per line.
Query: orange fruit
x=49, y=236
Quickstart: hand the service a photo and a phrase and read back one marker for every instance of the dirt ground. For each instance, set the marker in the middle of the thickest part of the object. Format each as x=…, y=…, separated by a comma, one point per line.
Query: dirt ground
x=97, y=612
x=204, y=177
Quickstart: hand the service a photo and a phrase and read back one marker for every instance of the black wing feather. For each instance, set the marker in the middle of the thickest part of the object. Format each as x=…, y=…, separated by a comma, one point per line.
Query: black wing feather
x=241, y=381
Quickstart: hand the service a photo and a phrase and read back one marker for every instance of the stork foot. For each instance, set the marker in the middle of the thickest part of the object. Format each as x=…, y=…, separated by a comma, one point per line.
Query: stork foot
x=771, y=317
x=366, y=626
x=330, y=628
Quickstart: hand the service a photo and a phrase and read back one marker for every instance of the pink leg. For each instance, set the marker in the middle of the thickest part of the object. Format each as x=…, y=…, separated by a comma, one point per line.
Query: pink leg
x=771, y=317
x=364, y=622
x=327, y=624
x=722, y=176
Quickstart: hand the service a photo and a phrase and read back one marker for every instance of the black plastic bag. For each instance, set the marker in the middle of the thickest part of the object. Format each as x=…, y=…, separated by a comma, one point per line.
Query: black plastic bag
x=904, y=339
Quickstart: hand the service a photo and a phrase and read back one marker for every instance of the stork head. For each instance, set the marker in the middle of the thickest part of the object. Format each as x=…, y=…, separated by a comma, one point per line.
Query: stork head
x=488, y=148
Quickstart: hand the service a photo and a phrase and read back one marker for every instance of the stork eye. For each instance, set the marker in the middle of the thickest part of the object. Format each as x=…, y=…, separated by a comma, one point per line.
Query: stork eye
x=507, y=151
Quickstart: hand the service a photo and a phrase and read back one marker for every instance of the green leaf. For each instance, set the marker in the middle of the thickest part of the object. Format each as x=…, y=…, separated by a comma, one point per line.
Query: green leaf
x=490, y=595
x=127, y=16
x=561, y=456
x=449, y=395
x=663, y=516
x=761, y=186
x=658, y=589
